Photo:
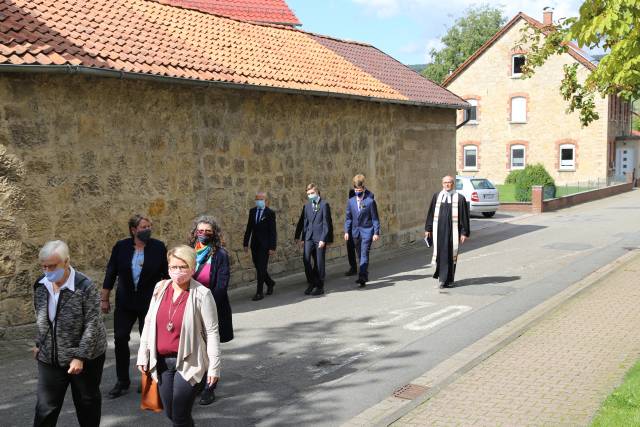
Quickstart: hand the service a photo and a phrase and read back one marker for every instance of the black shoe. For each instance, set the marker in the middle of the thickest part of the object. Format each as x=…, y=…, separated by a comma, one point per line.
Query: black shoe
x=118, y=390
x=257, y=297
x=308, y=290
x=362, y=283
x=270, y=288
x=208, y=396
x=351, y=272
x=319, y=291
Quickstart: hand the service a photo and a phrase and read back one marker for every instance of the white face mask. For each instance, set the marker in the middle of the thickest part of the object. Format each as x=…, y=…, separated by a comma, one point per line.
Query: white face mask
x=180, y=276
x=313, y=197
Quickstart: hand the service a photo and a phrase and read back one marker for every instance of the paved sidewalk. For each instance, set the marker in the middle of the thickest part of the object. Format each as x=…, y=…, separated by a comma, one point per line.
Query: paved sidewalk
x=556, y=373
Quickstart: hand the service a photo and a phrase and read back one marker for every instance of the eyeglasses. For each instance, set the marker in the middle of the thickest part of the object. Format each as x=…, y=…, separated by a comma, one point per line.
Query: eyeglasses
x=49, y=267
x=204, y=232
x=179, y=267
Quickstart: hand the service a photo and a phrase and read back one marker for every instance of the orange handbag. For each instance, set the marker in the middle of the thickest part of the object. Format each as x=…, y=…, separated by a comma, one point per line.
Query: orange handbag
x=150, y=394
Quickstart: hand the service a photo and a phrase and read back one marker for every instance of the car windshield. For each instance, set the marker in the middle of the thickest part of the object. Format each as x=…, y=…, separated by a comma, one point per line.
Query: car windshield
x=482, y=184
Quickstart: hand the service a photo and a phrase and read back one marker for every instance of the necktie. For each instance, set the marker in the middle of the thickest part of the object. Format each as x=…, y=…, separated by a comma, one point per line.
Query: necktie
x=258, y=215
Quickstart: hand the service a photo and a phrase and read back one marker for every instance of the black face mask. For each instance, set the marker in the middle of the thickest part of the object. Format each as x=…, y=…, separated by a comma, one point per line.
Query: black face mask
x=144, y=235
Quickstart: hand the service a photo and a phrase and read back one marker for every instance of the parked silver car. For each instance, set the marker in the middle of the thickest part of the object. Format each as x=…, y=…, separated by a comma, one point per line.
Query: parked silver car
x=480, y=193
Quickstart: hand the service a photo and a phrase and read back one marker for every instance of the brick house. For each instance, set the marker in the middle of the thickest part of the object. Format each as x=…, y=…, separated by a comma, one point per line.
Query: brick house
x=515, y=121
x=112, y=107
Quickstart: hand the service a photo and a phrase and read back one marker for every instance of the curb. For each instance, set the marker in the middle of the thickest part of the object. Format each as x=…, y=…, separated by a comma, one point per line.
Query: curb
x=392, y=408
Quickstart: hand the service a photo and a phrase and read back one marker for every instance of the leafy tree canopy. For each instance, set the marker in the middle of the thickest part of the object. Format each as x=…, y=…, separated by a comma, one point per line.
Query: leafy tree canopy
x=467, y=34
x=612, y=25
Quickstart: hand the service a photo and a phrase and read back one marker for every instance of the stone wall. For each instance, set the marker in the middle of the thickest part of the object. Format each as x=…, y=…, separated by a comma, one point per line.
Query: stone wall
x=489, y=81
x=79, y=155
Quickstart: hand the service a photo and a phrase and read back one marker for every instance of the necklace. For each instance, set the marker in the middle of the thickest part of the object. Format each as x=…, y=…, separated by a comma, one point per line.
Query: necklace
x=177, y=304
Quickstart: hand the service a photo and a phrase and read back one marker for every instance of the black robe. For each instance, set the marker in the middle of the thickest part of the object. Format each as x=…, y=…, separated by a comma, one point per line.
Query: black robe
x=445, y=268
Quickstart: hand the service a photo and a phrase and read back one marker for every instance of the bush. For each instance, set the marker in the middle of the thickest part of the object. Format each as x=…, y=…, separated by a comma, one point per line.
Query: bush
x=513, y=176
x=530, y=176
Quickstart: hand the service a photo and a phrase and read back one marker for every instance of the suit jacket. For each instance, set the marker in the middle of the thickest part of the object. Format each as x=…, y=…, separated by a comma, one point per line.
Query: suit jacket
x=362, y=222
x=154, y=269
x=263, y=234
x=316, y=226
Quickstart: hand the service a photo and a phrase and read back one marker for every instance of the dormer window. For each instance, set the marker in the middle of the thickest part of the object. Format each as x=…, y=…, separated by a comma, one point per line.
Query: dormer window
x=517, y=62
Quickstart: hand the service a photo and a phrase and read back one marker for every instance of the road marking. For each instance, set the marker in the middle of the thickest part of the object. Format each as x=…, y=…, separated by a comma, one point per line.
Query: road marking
x=345, y=357
x=401, y=313
x=434, y=319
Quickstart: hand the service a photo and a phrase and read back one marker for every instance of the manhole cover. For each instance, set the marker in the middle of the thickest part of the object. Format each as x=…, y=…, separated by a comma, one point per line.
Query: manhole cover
x=409, y=391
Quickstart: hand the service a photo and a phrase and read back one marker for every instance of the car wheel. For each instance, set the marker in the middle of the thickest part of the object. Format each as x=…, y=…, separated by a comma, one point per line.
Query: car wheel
x=488, y=214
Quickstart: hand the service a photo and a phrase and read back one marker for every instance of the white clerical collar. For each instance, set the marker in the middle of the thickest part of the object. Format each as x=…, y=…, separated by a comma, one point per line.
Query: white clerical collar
x=69, y=284
x=445, y=196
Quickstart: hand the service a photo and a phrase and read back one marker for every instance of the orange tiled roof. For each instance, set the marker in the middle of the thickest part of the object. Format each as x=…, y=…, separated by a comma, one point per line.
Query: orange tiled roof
x=149, y=38
x=271, y=11
x=573, y=50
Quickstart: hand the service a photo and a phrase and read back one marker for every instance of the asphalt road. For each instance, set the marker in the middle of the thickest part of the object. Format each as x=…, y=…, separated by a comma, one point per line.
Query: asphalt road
x=319, y=361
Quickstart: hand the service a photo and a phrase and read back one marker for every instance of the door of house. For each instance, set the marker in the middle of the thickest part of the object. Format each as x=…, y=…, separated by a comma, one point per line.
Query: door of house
x=625, y=159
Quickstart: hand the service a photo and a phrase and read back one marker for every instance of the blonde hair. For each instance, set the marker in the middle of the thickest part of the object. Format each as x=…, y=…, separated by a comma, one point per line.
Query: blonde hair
x=184, y=253
x=358, y=180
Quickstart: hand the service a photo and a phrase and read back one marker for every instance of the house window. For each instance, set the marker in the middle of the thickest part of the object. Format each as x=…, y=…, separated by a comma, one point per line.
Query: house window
x=517, y=156
x=517, y=62
x=472, y=114
x=567, y=156
x=470, y=157
x=518, y=109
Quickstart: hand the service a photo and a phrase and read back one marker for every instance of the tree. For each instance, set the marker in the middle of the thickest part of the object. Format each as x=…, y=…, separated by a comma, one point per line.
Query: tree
x=461, y=40
x=612, y=25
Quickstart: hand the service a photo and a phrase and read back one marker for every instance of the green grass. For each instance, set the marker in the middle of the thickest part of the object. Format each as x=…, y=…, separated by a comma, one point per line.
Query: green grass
x=561, y=190
x=622, y=407
x=508, y=191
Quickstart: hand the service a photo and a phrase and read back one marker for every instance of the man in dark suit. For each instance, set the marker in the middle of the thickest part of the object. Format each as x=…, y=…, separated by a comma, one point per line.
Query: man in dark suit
x=362, y=224
x=351, y=249
x=317, y=231
x=138, y=263
x=261, y=230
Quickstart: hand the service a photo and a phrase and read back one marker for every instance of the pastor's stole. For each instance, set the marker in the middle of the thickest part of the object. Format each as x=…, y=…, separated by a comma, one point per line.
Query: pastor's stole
x=454, y=225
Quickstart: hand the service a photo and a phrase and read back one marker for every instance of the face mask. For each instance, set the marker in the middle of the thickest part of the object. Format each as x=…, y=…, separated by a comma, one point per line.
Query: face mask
x=180, y=276
x=55, y=275
x=359, y=193
x=313, y=197
x=144, y=235
x=204, y=239
x=260, y=204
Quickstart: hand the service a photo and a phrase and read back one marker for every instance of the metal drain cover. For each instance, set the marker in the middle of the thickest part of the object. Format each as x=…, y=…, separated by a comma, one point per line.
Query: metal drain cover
x=409, y=391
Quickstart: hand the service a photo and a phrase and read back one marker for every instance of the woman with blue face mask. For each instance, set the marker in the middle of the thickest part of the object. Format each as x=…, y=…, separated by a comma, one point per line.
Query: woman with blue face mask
x=71, y=339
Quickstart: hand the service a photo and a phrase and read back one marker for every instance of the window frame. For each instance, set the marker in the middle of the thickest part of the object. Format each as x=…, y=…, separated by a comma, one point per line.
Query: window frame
x=568, y=167
x=524, y=112
x=474, y=103
x=513, y=64
x=464, y=157
x=524, y=156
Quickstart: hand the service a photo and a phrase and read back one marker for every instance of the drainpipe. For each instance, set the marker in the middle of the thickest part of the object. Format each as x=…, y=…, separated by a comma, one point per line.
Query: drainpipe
x=465, y=121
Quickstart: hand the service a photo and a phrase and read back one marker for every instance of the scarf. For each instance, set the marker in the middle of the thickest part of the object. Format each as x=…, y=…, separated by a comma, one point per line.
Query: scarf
x=202, y=253
x=451, y=197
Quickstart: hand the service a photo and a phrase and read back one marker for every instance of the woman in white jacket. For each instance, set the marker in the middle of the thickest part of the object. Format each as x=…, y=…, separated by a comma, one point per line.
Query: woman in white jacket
x=179, y=345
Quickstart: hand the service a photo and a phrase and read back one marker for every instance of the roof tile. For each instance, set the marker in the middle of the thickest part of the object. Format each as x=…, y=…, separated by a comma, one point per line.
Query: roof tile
x=148, y=37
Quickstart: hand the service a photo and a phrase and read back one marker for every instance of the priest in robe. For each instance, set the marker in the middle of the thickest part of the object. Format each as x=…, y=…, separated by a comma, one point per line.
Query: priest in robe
x=448, y=226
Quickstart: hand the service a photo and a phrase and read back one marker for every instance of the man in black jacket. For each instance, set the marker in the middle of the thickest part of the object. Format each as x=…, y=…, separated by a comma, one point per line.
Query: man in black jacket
x=138, y=263
x=261, y=230
x=317, y=231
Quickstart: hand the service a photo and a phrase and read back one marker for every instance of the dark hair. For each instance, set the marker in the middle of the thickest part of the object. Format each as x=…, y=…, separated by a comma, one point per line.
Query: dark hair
x=217, y=241
x=135, y=221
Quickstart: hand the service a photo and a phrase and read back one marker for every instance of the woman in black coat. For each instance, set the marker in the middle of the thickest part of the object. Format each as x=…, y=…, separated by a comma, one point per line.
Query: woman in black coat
x=212, y=270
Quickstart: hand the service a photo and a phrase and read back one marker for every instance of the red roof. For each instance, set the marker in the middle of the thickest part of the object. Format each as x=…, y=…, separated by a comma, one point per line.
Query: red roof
x=146, y=38
x=269, y=11
x=573, y=50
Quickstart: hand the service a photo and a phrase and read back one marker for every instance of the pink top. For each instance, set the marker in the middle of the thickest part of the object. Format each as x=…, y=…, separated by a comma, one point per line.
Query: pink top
x=205, y=274
x=167, y=341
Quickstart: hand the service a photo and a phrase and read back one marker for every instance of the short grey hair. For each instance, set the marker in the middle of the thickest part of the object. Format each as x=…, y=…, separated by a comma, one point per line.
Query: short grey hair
x=54, y=247
x=262, y=193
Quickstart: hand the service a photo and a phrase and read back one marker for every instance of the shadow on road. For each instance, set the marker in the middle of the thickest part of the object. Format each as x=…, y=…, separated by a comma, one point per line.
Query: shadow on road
x=485, y=280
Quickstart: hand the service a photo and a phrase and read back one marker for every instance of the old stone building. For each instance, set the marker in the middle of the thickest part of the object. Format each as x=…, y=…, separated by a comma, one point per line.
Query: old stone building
x=516, y=121
x=113, y=107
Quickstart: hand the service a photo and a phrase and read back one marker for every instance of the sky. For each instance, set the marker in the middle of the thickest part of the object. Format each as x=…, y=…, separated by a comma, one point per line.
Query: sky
x=406, y=29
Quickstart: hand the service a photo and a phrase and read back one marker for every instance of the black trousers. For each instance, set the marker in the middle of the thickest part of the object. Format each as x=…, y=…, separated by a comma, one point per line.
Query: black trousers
x=260, y=258
x=85, y=389
x=315, y=274
x=177, y=394
x=351, y=253
x=123, y=321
